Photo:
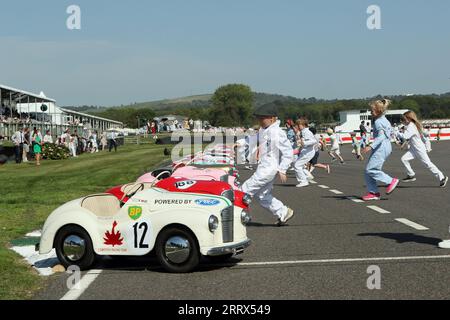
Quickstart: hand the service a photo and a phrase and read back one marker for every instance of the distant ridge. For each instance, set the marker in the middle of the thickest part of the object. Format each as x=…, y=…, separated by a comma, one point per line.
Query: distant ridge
x=204, y=100
x=201, y=100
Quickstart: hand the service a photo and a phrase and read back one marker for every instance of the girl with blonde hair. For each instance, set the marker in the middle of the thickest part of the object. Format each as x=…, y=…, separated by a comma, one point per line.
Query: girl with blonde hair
x=413, y=133
x=381, y=149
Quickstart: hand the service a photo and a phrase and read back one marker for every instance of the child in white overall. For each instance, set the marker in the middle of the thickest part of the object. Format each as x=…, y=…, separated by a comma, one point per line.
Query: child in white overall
x=381, y=149
x=427, y=139
x=417, y=150
x=307, y=143
x=275, y=157
x=335, y=151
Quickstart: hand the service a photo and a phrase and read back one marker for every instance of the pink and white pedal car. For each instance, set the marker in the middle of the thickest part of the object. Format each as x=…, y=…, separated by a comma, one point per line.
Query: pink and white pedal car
x=194, y=173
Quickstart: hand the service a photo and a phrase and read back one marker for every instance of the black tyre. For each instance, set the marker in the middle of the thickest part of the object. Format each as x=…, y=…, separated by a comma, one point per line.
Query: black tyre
x=74, y=247
x=177, y=250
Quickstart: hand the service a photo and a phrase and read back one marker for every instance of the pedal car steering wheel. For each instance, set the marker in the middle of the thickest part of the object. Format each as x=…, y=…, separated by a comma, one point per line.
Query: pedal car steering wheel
x=130, y=195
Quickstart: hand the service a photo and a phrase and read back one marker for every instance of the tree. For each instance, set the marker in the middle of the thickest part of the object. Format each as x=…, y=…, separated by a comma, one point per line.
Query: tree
x=232, y=106
x=410, y=104
x=129, y=116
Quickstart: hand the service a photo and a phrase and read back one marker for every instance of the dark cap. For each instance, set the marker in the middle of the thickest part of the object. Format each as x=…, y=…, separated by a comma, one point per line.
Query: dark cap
x=267, y=110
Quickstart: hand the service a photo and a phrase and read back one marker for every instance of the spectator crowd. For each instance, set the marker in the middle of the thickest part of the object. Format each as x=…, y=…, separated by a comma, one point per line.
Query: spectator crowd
x=28, y=144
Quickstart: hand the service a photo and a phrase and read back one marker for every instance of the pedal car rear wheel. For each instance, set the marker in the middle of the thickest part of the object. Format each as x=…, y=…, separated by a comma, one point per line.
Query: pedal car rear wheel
x=74, y=247
x=177, y=250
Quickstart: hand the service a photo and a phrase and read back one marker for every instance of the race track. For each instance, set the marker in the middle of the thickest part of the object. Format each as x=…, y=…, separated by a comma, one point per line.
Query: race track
x=324, y=253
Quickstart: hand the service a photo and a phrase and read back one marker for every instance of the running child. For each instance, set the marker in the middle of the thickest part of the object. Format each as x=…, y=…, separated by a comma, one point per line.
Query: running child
x=356, y=147
x=427, y=139
x=335, y=151
x=417, y=149
x=314, y=163
x=307, y=143
x=363, y=142
x=438, y=135
x=381, y=149
x=275, y=157
x=323, y=143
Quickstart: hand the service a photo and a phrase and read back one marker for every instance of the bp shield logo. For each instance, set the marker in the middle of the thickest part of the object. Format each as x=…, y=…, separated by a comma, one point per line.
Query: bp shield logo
x=135, y=212
x=207, y=202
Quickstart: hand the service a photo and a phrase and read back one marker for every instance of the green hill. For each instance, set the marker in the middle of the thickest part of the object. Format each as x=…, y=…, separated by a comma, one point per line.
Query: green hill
x=432, y=106
x=186, y=102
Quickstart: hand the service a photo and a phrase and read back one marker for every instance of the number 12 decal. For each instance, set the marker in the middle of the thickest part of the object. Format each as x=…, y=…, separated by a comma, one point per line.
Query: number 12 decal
x=140, y=237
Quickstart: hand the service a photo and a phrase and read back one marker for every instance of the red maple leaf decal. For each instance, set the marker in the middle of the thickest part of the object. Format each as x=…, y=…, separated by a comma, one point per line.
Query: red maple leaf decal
x=113, y=238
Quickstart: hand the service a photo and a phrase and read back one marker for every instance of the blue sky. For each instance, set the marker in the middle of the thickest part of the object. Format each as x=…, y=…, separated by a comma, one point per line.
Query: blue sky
x=141, y=50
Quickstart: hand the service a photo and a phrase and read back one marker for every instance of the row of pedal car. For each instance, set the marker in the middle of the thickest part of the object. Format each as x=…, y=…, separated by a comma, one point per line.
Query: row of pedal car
x=181, y=213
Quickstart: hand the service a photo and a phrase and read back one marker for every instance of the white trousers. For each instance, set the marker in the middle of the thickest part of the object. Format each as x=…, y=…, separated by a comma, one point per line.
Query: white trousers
x=73, y=150
x=423, y=157
x=303, y=159
x=260, y=186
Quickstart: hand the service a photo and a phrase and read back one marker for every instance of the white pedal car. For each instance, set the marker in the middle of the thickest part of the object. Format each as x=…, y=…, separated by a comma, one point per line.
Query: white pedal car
x=178, y=227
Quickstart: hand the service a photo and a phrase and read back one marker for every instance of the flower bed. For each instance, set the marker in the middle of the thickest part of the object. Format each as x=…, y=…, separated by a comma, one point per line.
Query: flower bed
x=55, y=152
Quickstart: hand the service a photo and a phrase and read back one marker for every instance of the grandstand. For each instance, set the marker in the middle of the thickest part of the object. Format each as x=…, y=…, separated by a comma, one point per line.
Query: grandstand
x=439, y=123
x=21, y=108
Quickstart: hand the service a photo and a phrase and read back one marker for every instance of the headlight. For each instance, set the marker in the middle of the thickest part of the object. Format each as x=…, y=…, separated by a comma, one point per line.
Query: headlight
x=213, y=223
x=247, y=199
x=245, y=218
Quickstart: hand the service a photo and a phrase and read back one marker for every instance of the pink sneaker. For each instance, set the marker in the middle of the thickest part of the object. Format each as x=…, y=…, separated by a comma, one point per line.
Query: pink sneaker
x=372, y=196
x=392, y=186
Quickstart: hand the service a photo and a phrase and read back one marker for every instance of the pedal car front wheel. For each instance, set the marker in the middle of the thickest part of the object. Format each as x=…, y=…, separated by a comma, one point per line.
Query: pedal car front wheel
x=177, y=250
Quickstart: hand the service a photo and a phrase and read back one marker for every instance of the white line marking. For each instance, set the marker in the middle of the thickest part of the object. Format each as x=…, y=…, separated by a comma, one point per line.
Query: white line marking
x=412, y=224
x=85, y=282
x=378, y=209
x=343, y=260
x=324, y=187
x=336, y=192
x=312, y=182
x=356, y=200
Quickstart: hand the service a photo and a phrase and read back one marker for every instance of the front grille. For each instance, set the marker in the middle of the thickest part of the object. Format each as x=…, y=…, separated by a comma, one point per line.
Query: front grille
x=229, y=194
x=227, y=216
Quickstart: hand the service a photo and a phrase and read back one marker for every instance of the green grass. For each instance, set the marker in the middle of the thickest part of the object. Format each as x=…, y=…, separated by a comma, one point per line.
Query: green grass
x=29, y=194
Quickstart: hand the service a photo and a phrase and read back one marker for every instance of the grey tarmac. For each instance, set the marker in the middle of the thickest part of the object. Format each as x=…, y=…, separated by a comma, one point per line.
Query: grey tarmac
x=326, y=252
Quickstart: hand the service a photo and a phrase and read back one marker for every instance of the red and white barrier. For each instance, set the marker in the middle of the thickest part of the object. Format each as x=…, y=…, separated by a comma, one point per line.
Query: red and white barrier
x=346, y=138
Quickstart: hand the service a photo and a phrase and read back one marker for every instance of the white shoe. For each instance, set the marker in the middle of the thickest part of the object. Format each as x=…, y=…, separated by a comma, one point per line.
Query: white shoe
x=303, y=184
x=289, y=215
x=445, y=244
x=310, y=176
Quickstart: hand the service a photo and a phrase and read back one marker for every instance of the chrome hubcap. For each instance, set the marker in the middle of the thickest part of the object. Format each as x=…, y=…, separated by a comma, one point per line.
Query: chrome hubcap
x=74, y=247
x=178, y=249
